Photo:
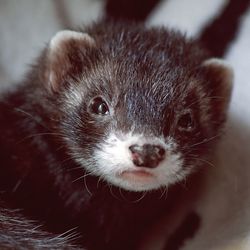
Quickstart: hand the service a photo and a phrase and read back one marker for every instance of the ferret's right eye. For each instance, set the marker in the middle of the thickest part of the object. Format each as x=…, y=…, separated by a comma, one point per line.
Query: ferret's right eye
x=99, y=107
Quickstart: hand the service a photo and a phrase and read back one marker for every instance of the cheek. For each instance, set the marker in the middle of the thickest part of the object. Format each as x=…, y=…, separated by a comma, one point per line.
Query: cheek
x=196, y=142
x=88, y=131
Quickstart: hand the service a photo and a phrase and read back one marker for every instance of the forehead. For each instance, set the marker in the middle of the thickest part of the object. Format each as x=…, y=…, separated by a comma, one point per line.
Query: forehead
x=145, y=58
x=130, y=78
x=148, y=47
x=141, y=63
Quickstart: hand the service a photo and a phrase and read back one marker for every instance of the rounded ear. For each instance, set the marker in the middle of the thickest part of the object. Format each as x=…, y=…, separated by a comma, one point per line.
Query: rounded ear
x=65, y=56
x=220, y=77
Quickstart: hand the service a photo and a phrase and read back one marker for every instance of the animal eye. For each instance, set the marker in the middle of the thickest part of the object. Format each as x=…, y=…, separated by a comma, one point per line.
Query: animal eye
x=99, y=107
x=186, y=122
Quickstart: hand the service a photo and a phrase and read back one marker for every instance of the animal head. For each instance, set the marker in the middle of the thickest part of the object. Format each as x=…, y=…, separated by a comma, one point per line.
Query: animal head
x=138, y=107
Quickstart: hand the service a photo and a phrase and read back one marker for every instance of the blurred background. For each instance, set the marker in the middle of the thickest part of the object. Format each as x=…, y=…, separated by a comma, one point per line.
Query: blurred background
x=26, y=26
x=223, y=26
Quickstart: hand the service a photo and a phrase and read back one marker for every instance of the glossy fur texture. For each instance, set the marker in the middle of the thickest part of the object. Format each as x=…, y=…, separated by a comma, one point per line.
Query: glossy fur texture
x=69, y=166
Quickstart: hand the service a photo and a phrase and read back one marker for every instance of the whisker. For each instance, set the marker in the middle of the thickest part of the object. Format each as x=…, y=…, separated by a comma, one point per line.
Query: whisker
x=182, y=181
x=122, y=195
x=30, y=116
x=132, y=201
x=69, y=235
x=164, y=192
x=139, y=199
x=202, y=160
x=81, y=177
x=75, y=168
x=99, y=180
x=66, y=160
x=111, y=192
x=86, y=186
x=204, y=141
x=36, y=135
x=211, y=97
x=59, y=148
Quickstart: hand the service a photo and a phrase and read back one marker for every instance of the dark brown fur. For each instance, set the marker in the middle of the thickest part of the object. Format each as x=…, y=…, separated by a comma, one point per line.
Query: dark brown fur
x=39, y=130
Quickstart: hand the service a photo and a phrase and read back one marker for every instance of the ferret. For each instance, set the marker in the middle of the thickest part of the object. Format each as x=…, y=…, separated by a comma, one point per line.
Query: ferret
x=109, y=118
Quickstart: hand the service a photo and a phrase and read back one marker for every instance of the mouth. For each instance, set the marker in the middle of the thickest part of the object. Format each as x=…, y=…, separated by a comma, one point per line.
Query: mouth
x=136, y=175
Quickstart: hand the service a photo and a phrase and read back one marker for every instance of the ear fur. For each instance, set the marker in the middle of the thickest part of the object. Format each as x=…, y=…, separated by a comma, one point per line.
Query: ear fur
x=220, y=76
x=65, y=56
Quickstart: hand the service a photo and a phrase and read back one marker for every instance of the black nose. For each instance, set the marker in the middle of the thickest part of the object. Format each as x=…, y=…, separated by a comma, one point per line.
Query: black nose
x=147, y=155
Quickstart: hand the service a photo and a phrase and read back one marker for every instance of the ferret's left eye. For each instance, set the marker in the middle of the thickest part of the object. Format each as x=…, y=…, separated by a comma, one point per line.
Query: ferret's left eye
x=186, y=122
x=99, y=107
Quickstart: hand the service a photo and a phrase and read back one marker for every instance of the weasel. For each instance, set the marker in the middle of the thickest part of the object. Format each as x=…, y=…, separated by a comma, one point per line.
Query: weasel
x=108, y=118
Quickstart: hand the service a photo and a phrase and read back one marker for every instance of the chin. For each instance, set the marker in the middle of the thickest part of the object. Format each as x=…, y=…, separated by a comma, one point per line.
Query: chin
x=136, y=181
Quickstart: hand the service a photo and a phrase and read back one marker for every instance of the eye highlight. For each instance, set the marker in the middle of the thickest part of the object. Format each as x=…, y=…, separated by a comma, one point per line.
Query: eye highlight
x=98, y=106
x=186, y=121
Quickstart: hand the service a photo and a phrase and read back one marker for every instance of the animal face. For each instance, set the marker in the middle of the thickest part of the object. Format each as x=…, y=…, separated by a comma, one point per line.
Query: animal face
x=139, y=117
